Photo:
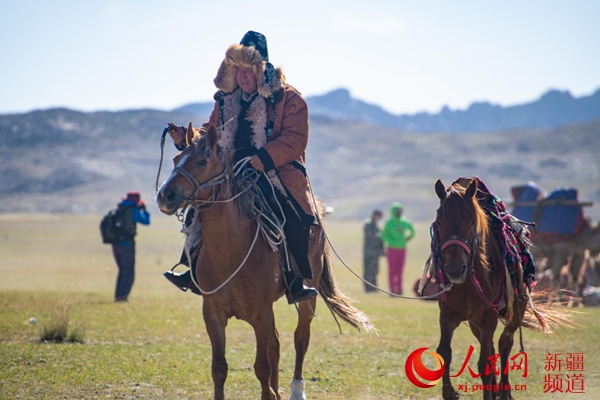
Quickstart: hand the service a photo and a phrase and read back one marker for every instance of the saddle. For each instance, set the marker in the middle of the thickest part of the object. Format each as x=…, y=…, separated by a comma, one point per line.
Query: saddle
x=511, y=232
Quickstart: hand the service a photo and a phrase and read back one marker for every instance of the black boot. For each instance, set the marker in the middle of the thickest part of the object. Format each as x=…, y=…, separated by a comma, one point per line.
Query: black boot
x=296, y=291
x=182, y=281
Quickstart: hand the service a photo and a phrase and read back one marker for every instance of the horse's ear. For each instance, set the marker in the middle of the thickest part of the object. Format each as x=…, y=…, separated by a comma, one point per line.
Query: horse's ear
x=189, y=135
x=440, y=189
x=212, y=135
x=472, y=188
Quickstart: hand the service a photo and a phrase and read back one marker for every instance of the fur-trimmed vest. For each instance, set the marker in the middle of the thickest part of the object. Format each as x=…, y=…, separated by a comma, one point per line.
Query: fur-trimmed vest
x=282, y=151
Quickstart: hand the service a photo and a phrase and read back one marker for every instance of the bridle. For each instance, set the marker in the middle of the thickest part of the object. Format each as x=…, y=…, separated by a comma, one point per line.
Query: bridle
x=224, y=177
x=456, y=240
x=218, y=179
x=212, y=182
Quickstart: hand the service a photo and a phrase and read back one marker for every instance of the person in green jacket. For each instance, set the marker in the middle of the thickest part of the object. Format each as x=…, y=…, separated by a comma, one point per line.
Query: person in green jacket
x=397, y=232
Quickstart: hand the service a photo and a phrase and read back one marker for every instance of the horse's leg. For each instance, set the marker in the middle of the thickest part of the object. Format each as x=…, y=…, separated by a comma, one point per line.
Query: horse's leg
x=575, y=268
x=215, y=326
x=264, y=330
x=447, y=326
x=301, y=341
x=484, y=329
x=557, y=259
x=274, y=354
x=505, y=344
x=307, y=311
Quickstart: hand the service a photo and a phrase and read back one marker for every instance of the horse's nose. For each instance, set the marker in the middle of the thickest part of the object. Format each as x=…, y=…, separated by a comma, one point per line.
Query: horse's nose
x=463, y=268
x=169, y=194
x=457, y=273
x=165, y=194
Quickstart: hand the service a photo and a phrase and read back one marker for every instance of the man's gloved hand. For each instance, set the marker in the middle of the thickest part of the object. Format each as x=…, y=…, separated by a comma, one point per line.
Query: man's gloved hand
x=177, y=133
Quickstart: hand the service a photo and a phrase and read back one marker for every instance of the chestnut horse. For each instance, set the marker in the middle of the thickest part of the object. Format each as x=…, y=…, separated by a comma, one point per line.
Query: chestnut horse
x=238, y=272
x=468, y=254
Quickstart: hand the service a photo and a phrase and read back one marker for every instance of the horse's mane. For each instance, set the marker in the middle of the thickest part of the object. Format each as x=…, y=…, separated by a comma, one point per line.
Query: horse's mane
x=201, y=145
x=457, y=208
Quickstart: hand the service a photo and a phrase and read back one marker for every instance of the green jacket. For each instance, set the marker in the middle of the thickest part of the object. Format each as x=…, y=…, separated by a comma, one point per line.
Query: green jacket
x=397, y=230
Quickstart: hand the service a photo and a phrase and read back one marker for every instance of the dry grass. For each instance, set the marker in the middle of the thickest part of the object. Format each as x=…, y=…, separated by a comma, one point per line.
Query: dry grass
x=55, y=326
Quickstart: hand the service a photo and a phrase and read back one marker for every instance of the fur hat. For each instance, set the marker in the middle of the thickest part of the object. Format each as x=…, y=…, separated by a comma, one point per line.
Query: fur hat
x=251, y=53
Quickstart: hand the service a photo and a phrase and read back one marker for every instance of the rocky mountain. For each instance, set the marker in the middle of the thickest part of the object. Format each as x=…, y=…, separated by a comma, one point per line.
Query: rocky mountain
x=553, y=109
x=60, y=160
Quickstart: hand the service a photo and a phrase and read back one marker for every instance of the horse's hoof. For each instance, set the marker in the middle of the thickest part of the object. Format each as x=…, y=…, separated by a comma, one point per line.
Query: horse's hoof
x=450, y=394
x=297, y=390
x=505, y=396
x=454, y=396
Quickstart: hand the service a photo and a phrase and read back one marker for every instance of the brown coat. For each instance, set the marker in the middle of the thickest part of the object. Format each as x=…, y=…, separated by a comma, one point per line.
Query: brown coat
x=287, y=143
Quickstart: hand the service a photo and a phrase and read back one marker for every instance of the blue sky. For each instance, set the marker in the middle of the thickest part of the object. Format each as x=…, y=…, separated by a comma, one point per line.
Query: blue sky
x=407, y=56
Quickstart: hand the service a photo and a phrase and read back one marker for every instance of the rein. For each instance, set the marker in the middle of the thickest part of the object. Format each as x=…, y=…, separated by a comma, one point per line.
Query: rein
x=223, y=177
x=445, y=288
x=205, y=292
x=219, y=179
x=482, y=295
x=162, y=155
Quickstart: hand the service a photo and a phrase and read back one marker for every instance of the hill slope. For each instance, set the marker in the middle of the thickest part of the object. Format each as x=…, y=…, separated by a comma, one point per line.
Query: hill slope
x=65, y=161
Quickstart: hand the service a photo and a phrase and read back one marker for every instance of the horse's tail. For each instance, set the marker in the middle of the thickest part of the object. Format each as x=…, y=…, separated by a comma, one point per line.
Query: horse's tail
x=336, y=301
x=545, y=315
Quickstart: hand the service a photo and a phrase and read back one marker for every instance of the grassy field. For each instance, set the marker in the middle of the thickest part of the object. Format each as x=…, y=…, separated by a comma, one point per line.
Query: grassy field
x=155, y=346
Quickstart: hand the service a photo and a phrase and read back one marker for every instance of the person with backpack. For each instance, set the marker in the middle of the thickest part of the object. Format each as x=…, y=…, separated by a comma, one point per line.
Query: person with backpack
x=119, y=229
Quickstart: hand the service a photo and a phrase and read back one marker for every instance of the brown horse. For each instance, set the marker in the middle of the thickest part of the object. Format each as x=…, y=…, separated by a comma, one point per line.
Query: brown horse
x=238, y=272
x=469, y=255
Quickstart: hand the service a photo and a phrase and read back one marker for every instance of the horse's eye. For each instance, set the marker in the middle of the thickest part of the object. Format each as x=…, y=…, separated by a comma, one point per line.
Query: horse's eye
x=202, y=163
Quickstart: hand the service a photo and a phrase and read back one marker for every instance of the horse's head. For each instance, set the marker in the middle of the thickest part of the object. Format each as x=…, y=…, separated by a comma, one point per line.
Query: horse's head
x=460, y=223
x=198, y=170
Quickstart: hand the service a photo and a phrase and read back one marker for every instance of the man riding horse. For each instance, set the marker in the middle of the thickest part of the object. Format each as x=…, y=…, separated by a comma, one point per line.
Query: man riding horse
x=265, y=119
